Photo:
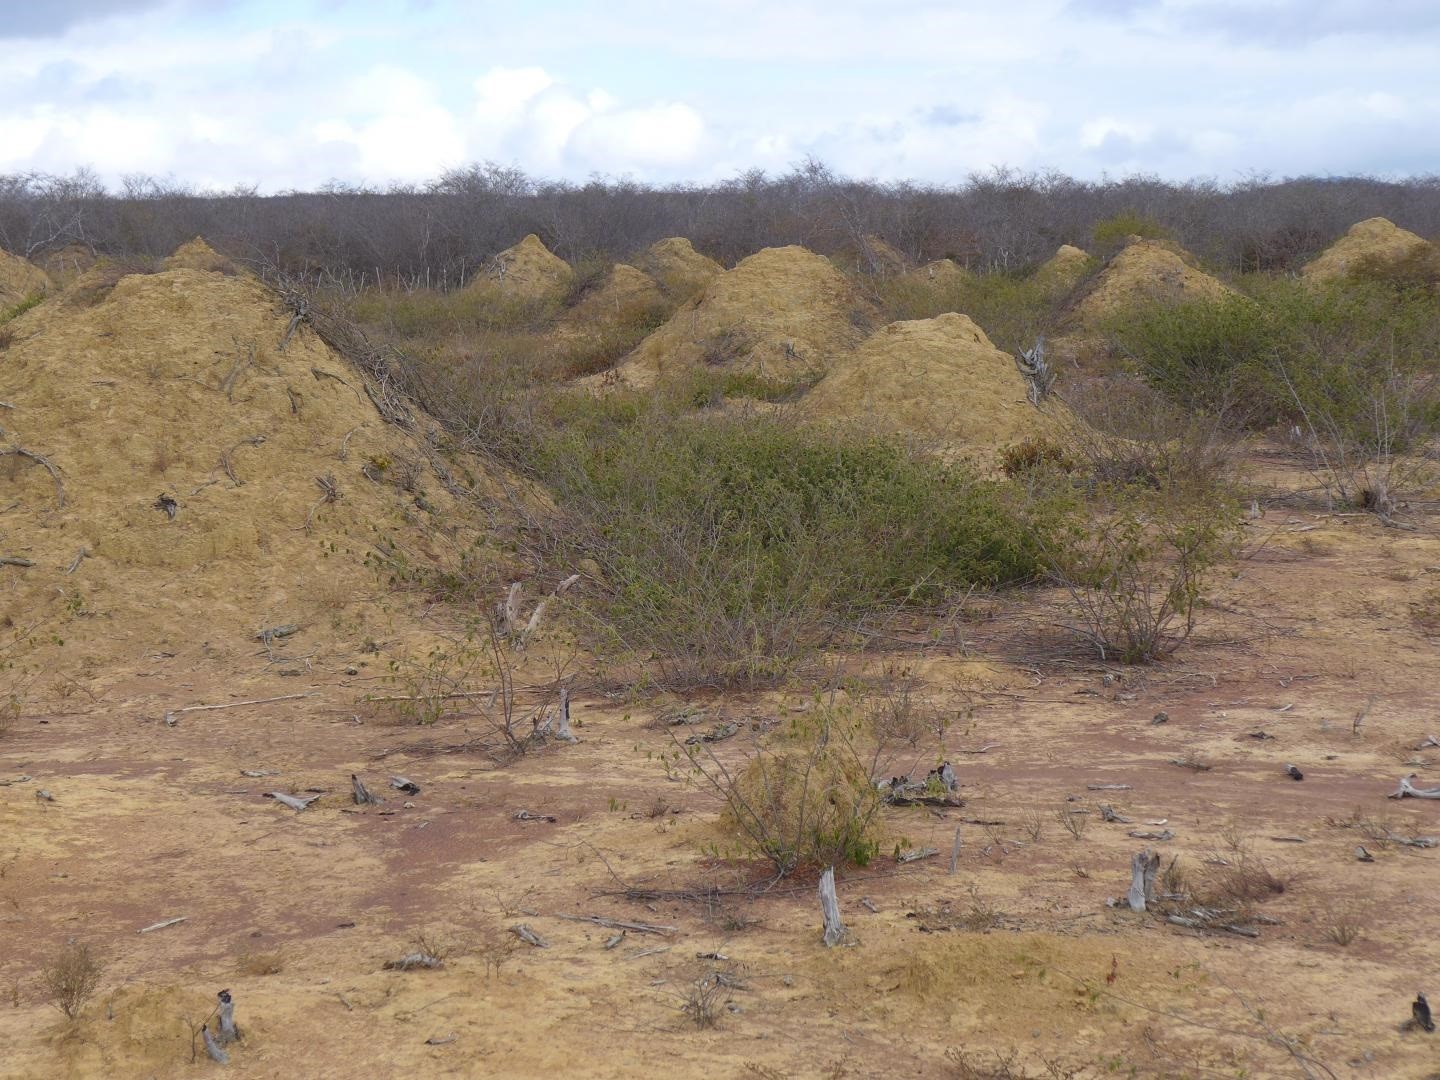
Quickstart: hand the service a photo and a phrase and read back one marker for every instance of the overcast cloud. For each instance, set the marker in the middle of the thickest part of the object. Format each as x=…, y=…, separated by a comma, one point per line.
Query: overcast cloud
x=292, y=94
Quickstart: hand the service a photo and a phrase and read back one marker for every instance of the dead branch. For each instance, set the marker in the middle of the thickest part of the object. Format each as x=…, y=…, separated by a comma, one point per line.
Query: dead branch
x=329, y=493
x=1407, y=790
x=163, y=924
x=226, y=1009
x=410, y=961
x=79, y=558
x=529, y=936
x=212, y=1048
x=40, y=459
x=290, y=800
x=14, y=560
x=621, y=924
x=171, y=718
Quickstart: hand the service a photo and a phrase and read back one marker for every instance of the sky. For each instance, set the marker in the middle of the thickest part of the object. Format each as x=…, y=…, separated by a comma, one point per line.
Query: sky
x=292, y=95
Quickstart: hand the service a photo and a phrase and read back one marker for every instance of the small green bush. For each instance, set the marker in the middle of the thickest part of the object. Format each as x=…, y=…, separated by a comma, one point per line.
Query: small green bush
x=16, y=310
x=1111, y=234
x=730, y=544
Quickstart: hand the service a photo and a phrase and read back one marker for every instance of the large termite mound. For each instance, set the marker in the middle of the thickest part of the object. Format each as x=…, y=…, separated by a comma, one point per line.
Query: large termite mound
x=1144, y=272
x=528, y=273
x=183, y=461
x=1065, y=269
x=20, y=279
x=940, y=382
x=783, y=314
x=679, y=269
x=1374, y=246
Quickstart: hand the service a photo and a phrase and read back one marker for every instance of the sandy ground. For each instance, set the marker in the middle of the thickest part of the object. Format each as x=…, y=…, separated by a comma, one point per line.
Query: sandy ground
x=297, y=913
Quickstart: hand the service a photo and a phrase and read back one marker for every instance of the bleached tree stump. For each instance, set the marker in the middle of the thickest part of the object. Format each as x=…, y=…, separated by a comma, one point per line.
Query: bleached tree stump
x=228, y=1031
x=830, y=909
x=1144, y=865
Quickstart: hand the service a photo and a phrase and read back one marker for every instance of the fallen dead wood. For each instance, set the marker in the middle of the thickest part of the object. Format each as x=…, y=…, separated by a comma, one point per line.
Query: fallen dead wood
x=413, y=961
x=14, y=560
x=219, y=1056
x=162, y=924
x=1408, y=790
x=173, y=714
x=621, y=924
x=1198, y=924
x=526, y=934
x=1108, y=787
x=226, y=1009
x=916, y=854
x=49, y=466
x=290, y=800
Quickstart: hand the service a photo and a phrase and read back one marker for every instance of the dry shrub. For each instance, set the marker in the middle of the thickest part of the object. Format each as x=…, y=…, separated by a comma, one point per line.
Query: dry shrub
x=804, y=799
x=72, y=977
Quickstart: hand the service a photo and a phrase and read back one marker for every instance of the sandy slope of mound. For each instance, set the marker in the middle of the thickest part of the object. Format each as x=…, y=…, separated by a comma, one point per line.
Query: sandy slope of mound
x=783, y=313
x=528, y=271
x=1065, y=268
x=939, y=380
x=1376, y=240
x=207, y=484
x=680, y=270
x=1145, y=271
x=64, y=264
x=19, y=279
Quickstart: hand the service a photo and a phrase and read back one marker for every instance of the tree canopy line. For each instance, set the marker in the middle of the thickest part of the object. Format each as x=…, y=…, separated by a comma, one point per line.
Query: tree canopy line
x=442, y=231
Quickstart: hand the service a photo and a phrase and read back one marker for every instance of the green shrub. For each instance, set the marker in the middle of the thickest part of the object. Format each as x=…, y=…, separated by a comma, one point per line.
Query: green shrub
x=729, y=544
x=1204, y=355
x=1137, y=566
x=16, y=310
x=1110, y=235
x=1013, y=310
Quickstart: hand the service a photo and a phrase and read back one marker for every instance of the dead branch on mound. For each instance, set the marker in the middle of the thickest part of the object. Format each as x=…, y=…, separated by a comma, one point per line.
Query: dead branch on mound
x=228, y=466
x=247, y=359
x=15, y=560
x=42, y=460
x=526, y=934
x=212, y=1047
x=79, y=558
x=167, y=505
x=412, y=961
x=621, y=924
x=329, y=493
x=1143, y=867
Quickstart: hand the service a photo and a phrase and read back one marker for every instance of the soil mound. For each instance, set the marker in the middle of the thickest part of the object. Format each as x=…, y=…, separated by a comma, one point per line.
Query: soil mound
x=873, y=255
x=527, y=272
x=783, y=314
x=20, y=279
x=1145, y=271
x=198, y=255
x=1377, y=244
x=67, y=263
x=939, y=380
x=624, y=294
x=185, y=478
x=1065, y=268
x=680, y=270
x=940, y=274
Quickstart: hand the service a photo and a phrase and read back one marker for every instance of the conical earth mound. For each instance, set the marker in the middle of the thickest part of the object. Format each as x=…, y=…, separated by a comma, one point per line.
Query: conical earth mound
x=1145, y=271
x=679, y=269
x=528, y=272
x=1064, y=269
x=1375, y=244
x=939, y=380
x=183, y=464
x=782, y=314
